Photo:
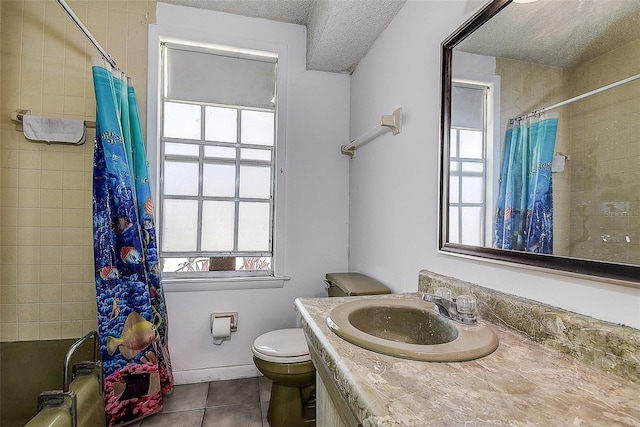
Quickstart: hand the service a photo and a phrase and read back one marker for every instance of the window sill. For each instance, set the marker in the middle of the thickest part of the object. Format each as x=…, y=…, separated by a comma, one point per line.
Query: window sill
x=222, y=283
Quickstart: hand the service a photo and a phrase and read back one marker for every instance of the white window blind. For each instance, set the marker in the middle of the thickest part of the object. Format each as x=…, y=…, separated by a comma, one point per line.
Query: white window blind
x=238, y=79
x=468, y=105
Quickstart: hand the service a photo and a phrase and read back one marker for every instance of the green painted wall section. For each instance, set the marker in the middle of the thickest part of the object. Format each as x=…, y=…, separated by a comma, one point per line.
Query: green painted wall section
x=28, y=368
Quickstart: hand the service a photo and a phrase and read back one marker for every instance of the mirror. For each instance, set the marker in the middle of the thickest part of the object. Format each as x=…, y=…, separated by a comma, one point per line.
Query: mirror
x=540, y=137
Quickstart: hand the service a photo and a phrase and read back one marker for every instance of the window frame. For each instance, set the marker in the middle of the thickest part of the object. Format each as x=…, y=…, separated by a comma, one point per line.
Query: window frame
x=486, y=212
x=209, y=280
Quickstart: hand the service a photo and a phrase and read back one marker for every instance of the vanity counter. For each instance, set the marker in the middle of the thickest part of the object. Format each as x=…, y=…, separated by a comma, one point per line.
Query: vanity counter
x=521, y=383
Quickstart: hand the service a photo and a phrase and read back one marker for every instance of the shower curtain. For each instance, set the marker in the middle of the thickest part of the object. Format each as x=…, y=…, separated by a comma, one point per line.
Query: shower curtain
x=132, y=318
x=524, y=213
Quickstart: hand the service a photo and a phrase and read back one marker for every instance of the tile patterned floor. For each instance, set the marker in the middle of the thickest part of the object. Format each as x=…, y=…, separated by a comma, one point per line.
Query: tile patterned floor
x=231, y=403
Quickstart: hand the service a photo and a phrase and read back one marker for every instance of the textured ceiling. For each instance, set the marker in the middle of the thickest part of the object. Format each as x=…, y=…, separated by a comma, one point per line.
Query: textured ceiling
x=339, y=32
x=562, y=33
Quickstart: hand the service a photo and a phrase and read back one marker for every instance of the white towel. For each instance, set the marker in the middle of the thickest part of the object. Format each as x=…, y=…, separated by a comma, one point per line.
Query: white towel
x=52, y=129
x=558, y=163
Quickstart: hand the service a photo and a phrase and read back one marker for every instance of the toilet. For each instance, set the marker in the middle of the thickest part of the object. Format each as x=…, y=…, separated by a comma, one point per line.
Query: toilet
x=283, y=356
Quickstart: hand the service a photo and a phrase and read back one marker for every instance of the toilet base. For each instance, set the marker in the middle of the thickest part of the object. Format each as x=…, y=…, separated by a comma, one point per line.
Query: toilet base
x=287, y=406
x=293, y=386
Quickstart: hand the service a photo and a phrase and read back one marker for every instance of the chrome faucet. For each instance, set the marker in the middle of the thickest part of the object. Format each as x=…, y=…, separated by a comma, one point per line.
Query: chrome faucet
x=461, y=309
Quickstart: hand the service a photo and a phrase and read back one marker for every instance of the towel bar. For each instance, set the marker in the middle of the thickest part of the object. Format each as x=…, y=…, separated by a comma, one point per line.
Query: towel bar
x=16, y=117
x=391, y=122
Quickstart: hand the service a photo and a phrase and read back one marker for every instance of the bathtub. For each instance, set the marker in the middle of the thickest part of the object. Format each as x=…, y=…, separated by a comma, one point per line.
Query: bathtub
x=28, y=368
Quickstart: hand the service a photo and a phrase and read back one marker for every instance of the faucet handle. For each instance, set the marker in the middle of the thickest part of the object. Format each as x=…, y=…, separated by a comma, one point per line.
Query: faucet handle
x=443, y=292
x=466, y=306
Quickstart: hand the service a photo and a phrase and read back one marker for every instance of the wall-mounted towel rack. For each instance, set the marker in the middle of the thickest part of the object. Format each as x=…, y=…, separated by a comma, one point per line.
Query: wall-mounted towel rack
x=391, y=122
x=57, y=130
x=16, y=117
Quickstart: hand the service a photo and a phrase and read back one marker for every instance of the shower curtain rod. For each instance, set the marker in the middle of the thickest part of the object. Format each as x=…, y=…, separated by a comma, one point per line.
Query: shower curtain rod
x=579, y=97
x=63, y=4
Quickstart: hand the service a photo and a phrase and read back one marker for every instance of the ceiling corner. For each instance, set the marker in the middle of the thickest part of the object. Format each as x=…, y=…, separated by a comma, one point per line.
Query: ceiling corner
x=340, y=33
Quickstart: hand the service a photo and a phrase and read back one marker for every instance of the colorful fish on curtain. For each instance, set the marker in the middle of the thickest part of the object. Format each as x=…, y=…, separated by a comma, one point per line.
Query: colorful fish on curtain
x=524, y=213
x=132, y=318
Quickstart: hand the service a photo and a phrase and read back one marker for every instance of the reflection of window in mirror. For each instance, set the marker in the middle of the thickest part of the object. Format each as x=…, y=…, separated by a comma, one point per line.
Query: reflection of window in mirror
x=468, y=210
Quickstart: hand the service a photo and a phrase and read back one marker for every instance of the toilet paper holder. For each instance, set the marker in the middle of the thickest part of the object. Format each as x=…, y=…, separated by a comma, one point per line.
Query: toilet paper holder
x=232, y=314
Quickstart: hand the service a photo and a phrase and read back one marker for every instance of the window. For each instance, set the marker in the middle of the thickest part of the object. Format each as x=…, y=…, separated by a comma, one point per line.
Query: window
x=218, y=151
x=468, y=165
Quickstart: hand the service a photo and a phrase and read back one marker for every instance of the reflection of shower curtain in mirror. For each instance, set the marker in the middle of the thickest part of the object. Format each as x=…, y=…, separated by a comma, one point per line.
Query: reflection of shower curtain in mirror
x=524, y=214
x=132, y=320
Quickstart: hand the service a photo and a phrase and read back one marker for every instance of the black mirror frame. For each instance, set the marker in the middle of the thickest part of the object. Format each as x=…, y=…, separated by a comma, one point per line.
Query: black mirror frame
x=623, y=274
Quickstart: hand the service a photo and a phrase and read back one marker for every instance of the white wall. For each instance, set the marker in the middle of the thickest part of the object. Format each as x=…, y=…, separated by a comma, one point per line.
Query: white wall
x=394, y=180
x=316, y=117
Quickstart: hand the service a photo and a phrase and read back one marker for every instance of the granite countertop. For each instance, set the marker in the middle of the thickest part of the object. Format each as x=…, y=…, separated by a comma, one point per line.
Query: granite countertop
x=521, y=383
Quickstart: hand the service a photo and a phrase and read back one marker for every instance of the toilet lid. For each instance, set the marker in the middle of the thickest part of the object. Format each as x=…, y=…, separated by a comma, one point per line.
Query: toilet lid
x=284, y=343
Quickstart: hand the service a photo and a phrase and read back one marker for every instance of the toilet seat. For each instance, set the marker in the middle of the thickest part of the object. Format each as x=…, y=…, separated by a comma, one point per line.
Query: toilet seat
x=282, y=346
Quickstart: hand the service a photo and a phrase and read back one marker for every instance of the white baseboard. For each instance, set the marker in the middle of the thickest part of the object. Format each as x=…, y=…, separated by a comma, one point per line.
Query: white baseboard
x=215, y=374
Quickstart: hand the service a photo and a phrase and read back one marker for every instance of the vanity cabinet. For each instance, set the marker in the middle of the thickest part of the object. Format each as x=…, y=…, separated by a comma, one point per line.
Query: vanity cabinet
x=326, y=412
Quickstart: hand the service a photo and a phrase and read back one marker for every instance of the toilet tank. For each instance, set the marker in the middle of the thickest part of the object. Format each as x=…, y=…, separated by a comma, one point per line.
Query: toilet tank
x=353, y=284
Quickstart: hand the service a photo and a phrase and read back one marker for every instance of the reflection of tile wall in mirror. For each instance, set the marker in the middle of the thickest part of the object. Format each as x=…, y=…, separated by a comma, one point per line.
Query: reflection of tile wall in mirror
x=605, y=153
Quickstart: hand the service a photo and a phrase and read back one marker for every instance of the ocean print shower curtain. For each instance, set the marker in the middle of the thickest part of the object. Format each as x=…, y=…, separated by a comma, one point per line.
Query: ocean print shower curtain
x=132, y=318
x=524, y=212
